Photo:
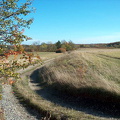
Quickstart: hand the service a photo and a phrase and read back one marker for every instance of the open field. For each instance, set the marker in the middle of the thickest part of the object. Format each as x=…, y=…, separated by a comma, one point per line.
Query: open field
x=47, y=55
x=43, y=55
x=84, y=84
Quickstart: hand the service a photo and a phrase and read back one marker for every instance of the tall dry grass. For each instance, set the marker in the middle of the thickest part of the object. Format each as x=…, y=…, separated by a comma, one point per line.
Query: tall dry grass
x=83, y=73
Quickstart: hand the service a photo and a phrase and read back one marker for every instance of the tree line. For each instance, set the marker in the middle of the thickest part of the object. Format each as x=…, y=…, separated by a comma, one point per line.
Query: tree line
x=65, y=46
x=50, y=47
x=60, y=46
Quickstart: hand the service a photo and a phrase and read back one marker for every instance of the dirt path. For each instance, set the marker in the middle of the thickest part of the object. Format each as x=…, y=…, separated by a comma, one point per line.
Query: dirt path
x=10, y=107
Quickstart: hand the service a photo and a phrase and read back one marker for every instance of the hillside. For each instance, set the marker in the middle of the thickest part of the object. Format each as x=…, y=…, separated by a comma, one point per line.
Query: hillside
x=115, y=44
x=92, y=75
x=84, y=84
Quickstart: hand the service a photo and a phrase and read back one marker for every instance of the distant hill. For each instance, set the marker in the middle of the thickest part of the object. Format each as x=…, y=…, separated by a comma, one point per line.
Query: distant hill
x=100, y=45
x=115, y=44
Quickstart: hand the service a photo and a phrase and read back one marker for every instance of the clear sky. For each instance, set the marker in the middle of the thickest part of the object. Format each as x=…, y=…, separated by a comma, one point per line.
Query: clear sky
x=82, y=21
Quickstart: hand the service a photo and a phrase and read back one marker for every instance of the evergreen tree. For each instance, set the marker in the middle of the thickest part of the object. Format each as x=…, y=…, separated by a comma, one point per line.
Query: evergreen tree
x=58, y=44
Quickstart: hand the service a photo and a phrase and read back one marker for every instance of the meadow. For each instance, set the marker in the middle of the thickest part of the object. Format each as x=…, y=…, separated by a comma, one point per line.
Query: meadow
x=83, y=84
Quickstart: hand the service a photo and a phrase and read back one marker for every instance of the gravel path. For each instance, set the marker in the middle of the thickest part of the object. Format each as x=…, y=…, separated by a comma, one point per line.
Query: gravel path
x=13, y=110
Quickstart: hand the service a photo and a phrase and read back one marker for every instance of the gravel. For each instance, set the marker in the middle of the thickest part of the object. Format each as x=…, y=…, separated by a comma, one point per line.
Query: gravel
x=13, y=110
x=11, y=106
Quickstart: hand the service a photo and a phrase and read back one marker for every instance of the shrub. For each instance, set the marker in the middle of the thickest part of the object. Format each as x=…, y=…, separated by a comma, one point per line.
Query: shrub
x=60, y=50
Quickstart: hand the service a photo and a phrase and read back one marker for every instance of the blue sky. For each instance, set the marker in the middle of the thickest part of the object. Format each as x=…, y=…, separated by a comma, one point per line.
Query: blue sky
x=82, y=21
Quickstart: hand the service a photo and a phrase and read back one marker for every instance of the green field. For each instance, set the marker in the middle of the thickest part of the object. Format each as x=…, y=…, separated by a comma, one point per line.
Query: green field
x=82, y=84
x=47, y=55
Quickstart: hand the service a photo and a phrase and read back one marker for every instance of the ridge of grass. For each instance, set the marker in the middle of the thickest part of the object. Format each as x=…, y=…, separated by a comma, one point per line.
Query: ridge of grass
x=85, y=75
x=90, y=71
x=98, y=78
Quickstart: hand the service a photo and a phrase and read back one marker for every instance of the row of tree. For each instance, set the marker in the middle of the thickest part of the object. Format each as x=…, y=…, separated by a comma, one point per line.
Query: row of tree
x=50, y=47
x=66, y=46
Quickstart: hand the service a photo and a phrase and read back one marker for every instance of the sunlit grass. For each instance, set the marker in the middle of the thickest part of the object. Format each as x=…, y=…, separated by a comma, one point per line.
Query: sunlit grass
x=85, y=70
x=47, y=55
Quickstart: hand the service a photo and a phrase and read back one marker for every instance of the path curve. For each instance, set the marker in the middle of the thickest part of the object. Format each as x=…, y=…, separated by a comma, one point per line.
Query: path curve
x=13, y=110
x=11, y=106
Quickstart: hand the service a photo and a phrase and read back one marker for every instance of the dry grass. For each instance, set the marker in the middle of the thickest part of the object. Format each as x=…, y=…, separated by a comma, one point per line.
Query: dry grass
x=88, y=73
x=47, y=55
x=31, y=98
x=79, y=70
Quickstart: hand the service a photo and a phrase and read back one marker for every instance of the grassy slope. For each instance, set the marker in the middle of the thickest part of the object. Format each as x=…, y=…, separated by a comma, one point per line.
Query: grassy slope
x=82, y=70
x=90, y=74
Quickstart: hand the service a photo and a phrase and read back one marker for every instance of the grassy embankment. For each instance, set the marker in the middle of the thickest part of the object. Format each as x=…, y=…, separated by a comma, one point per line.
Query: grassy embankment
x=91, y=75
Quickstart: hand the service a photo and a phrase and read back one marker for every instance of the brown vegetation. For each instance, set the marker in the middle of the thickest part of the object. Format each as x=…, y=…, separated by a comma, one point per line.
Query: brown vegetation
x=60, y=50
x=86, y=74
